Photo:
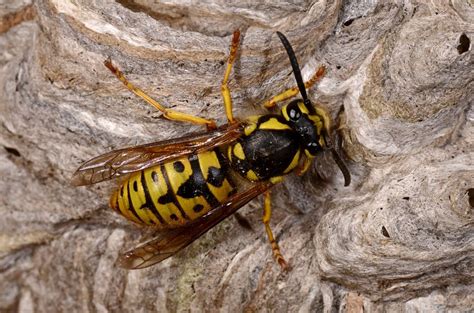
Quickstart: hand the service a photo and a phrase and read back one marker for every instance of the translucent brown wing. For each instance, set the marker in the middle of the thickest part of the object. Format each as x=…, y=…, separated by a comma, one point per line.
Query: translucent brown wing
x=124, y=161
x=171, y=241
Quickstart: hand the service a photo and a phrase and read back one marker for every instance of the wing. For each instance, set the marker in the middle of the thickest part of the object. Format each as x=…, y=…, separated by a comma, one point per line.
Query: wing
x=171, y=241
x=124, y=161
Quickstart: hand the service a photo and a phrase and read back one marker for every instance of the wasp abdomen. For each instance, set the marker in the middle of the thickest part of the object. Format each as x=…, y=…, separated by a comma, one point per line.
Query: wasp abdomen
x=174, y=193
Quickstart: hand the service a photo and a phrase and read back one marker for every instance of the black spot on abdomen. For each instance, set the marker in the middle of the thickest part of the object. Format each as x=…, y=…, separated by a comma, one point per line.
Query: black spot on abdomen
x=196, y=184
x=198, y=208
x=165, y=199
x=215, y=176
x=154, y=176
x=178, y=166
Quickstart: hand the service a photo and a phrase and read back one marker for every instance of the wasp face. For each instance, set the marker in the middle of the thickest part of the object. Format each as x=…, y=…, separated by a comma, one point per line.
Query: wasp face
x=307, y=125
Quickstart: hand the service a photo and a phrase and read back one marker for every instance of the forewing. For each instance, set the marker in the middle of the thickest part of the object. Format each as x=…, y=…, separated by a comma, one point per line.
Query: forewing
x=124, y=161
x=171, y=241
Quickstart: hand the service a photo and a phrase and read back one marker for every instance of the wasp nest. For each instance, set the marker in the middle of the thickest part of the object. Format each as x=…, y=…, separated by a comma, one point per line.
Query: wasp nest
x=399, y=83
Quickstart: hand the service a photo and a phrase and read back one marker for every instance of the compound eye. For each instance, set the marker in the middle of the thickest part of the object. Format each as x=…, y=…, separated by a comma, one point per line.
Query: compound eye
x=313, y=148
x=294, y=114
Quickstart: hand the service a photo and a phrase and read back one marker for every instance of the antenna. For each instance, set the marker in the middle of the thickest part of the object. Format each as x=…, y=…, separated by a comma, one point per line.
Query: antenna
x=296, y=71
x=299, y=80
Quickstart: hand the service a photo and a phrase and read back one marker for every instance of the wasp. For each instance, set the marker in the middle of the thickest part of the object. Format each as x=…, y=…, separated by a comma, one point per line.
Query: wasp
x=183, y=187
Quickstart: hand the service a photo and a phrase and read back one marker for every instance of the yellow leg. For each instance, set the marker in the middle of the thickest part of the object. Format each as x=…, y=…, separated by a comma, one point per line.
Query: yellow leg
x=267, y=213
x=224, y=87
x=290, y=93
x=303, y=168
x=167, y=113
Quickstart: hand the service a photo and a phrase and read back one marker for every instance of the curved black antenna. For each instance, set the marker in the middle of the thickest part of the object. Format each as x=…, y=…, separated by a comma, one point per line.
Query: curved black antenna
x=296, y=71
x=337, y=158
x=299, y=80
x=342, y=166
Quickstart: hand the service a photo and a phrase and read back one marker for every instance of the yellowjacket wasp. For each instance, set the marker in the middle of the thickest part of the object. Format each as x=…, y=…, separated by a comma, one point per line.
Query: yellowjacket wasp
x=183, y=187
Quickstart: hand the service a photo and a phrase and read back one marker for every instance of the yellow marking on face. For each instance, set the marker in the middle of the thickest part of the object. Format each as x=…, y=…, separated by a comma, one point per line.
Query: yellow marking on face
x=276, y=179
x=320, y=111
x=303, y=107
x=294, y=162
x=315, y=119
x=285, y=113
x=308, y=154
x=273, y=123
x=239, y=151
x=317, y=122
x=251, y=175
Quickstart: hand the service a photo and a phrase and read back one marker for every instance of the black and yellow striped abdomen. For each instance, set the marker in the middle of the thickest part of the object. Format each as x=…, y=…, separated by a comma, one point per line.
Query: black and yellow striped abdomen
x=174, y=193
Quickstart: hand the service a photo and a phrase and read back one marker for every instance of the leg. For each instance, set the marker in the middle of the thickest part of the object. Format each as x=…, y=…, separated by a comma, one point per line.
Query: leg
x=267, y=213
x=290, y=93
x=224, y=87
x=303, y=168
x=167, y=113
